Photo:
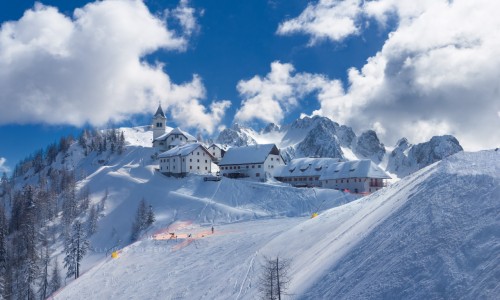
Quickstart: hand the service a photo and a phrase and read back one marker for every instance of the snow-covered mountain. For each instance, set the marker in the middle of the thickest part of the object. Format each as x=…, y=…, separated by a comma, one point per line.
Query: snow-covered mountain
x=321, y=137
x=431, y=235
x=407, y=158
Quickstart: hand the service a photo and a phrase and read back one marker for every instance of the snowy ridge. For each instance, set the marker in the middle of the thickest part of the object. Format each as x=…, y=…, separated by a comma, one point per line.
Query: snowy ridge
x=433, y=234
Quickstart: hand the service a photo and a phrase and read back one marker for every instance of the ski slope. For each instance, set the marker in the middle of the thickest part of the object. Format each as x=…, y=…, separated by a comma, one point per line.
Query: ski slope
x=434, y=234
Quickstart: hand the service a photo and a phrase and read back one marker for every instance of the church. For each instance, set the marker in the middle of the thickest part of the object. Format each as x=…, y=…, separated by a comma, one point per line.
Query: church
x=180, y=152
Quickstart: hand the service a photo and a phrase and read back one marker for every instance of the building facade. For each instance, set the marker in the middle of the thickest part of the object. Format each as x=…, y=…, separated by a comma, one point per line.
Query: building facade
x=360, y=176
x=217, y=151
x=255, y=162
x=176, y=137
x=188, y=158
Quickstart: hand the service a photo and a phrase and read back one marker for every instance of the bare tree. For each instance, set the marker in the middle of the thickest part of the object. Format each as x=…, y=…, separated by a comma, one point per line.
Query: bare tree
x=274, y=278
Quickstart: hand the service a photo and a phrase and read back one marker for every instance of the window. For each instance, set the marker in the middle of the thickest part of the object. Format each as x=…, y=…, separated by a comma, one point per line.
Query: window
x=238, y=167
x=168, y=160
x=213, y=153
x=174, y=168
x=198, y=160
x=198, y=167
x=205, y=168
x=183, y=159
x=206, y=161
x=190, y=160
x=271, y=159
x=248, y=167
x=257, y=174
x=258, y=166
x=253, y=167
x=197, y=153
x=190, y=167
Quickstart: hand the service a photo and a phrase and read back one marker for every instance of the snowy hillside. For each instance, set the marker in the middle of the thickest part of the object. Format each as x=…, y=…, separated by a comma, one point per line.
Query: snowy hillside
x=433, y=234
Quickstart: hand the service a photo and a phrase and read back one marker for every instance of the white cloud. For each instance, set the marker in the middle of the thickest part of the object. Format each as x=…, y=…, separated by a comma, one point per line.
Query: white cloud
x=327, y=19
x=186, y=17
x=268, y=99
x=90, y=68
x=3, y=167
x=437, y=72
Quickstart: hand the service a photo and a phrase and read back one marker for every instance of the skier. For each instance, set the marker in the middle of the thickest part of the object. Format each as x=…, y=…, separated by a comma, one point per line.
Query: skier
x=212, y=230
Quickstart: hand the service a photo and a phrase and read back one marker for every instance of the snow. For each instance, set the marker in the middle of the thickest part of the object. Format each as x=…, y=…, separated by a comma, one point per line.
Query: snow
x=247, y=155
x=354, y=169
x=182, y=150
x=331, y=168
x=176, y=130
x=433, y=234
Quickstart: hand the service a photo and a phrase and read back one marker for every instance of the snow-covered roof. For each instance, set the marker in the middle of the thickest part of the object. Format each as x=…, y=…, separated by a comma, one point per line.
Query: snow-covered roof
x=331, y=168
x=355, y=169
x=183, y=150
x=220, y=146
x=248, y=155
x=176, y=130
x=159, y=112
x=306, y=167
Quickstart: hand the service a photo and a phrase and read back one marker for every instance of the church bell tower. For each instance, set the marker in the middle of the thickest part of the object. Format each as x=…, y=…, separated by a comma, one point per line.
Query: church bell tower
x=159, y=123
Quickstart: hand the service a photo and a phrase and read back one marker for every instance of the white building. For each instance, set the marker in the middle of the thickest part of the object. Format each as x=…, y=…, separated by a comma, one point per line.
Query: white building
x=256, y=162
x=176, y=137
x=184, y=159
x=360, y=176
x=218, y=151
x=159, y=123
x=305, y=172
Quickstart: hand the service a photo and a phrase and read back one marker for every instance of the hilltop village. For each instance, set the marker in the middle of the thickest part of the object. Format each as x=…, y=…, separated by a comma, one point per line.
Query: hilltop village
x=181, y=154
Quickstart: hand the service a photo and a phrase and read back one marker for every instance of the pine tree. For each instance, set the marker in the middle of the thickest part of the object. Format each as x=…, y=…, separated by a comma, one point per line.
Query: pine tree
x=150, y=216
x=75, y=247
x=141, y=220
x=3, y=253
x=92, y=220
x=44, y=280
x=55, y=279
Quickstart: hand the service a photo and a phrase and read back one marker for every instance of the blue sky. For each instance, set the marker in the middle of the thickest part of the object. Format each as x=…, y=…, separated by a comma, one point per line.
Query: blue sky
x=376, y=65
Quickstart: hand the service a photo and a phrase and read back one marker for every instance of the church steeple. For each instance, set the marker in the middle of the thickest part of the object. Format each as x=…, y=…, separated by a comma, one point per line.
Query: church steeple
x=159, y=111
x=159, y=122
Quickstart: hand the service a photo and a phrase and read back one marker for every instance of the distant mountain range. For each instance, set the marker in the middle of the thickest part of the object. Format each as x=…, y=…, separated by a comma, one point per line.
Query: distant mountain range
x=321, y=137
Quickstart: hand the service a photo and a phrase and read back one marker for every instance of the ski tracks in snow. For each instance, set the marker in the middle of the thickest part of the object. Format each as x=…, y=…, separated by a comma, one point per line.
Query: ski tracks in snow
x=250, y=266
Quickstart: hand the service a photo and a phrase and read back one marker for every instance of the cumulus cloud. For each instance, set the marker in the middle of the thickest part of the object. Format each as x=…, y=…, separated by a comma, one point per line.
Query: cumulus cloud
x=90, y=67
x=3, y=167
x=327, y=19
x=269, y=98
x=437, y=72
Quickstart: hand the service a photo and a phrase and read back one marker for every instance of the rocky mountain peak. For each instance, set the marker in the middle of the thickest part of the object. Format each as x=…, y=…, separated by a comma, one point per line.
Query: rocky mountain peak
x=369, y=146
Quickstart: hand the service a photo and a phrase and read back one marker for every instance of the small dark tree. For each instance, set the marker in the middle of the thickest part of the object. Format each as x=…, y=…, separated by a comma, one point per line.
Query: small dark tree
x=150, y=217
x=143, y=219
x=274, y=278
x=92, y=220
x=76, y=247
x=55, y=279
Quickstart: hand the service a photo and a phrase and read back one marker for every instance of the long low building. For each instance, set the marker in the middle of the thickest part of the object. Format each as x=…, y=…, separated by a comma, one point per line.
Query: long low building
x=360, y=176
